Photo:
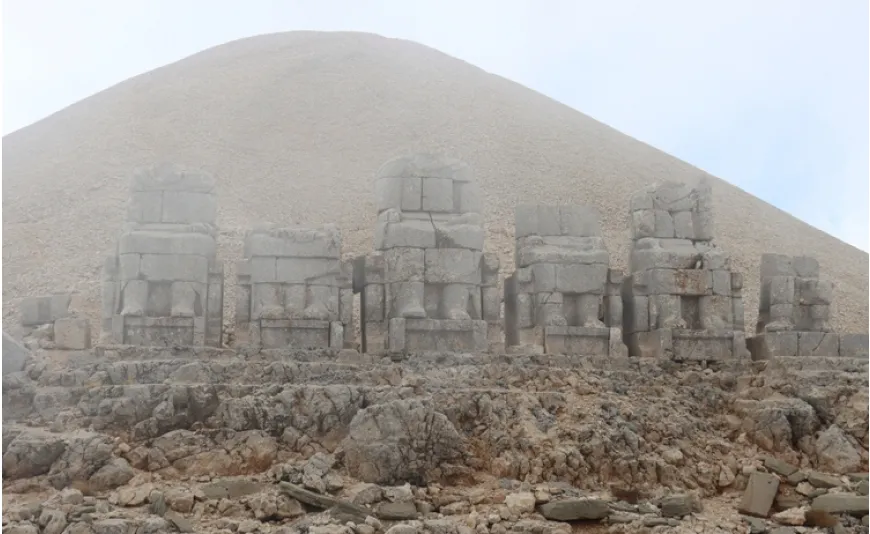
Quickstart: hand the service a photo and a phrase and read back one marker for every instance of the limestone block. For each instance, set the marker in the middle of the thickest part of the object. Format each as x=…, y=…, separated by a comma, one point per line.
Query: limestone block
x=442, y=335
x=452, y=265
x=404, y=265
x=437, y=194
x=652, y=344
x=294, y=242
x=187, y=299
x=770, y=344
x=781, y=289
x=468, y=236
x=805, y=267
x=526, y=220
x=589, y=252
x=163, y=267
x=373, y=267
x=814, y=291
x=679, y=281
x=489, y=269
x=152, y=242
x=676, y=256
x=15, y=356
x=578, y=221
x=189, y=207
x=135, y=297
x=145, y=207
x=818, y=344
x=403, y=193
x=525, y=310
x=613, y=310
x=267, y=301
x=672, y=196
x=37, y=311
x=643, y=224
x=665, y=311
x=721, y=282
x=683, y=225
x=703, y=345
x=776, y=265
x=759, y=494
x=717, y=312
x=172, y=177
x=641, y=200
x=736, y=281
x=263, y=269
x=407, y=233
x=713, y=258
x=739, y=313
x=396, y=335
x=321, y=271
x=637, y=314
x=544, y=276
x=72, y=333
x=374, y=302
x=129, y=266
x=664, y=224
x=617, y=348
x=581, y=278
x=491, y=304
x=855, y=345
x=576, y=340
x=336, y=335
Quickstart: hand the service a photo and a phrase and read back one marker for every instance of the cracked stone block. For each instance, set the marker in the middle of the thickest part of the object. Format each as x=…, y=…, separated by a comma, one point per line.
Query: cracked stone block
x=72, y=333
x=818, y=344
x=855, y=345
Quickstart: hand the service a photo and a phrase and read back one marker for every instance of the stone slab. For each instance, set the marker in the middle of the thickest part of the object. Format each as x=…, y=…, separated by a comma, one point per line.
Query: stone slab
x=295, y=333
x=72, y=333
x=576, y=340
x=46, y=309
x=441, y=335
x=702, y=346
x=855, y=345
x=759, y=494
x=772, y=344
x=818, y=344
x=15, y=356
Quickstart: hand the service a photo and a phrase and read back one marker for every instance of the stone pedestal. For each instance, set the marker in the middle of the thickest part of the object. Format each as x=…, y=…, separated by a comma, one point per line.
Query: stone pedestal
x=563, y=298
x=428, y=286
x=294, y=290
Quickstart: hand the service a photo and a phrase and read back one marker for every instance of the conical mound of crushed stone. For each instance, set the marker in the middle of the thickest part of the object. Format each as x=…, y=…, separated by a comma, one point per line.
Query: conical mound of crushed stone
x=293, y=126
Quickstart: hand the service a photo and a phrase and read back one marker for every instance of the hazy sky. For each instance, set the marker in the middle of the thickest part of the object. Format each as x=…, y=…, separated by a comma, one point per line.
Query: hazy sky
x=771, y=95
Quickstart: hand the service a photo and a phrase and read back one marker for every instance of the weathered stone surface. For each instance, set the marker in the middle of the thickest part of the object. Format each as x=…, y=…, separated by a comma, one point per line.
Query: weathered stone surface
x=759, y=494
x=72, y=333
x=779, y=467
x=575, y=509
x=113, y=474
x=841, y=503
x=15, y=356
x=429, y=262
x=399, y=441
x=679, y=505
x=835, y=453
x=37, y=311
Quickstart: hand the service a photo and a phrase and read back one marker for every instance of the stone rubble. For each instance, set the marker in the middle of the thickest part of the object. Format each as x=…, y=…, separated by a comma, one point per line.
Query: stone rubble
x=582, y=422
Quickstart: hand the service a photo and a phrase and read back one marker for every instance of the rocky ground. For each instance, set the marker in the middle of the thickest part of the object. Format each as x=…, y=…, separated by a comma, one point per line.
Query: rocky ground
x=131, y=440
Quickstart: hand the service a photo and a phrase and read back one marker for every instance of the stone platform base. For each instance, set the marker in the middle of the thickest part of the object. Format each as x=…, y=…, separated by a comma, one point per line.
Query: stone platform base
x=688, y=345
x=790, y=343
x=159, y=331
x=571, y=340
x=421, y=335
x=296, y=333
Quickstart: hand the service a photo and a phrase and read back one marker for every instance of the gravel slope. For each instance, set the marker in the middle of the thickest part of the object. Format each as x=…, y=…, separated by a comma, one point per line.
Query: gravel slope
x=294, y=125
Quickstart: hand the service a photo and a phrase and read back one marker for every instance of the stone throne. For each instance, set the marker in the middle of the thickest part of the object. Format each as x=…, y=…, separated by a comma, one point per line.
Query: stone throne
x=294, y=289
x=563, y=296
x=163, y=284
x=681, y=299
x=428, y=286
x=794, y=309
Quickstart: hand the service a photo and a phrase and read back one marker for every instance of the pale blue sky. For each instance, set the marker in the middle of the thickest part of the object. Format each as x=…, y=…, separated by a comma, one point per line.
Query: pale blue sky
x=771, y=95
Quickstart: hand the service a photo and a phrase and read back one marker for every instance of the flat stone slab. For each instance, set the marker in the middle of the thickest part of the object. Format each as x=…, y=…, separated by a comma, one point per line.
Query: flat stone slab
x=759, y=495
x=15, y=356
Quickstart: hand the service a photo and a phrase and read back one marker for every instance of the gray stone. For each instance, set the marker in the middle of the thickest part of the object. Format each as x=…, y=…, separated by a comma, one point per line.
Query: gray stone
x=679, y=505
x=179, y=521
x=37, y=311
x=575, y=509
x=841, y=503
x=779, y=467
x=452, y=265
x=397, y=511
x=855, y=345
x=112, y=475
x=72, y=333
x=759, y=494
x=835, y=453
x=818, y=344
x=823, y=480
x=15, y=356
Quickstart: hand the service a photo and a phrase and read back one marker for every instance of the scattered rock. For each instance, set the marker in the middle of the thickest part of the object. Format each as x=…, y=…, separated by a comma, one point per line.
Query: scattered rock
x=397, y=511
x=679, y=505
x=793, y=516
x=112, y=475
x=779, y=467
x=180, y=522
x=521, y=503
x=759, y=494
x=835, y=453
x=575, y=509
x=841, y=503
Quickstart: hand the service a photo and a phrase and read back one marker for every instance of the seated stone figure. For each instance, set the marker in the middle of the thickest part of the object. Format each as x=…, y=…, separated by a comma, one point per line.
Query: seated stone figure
x=563, y=297
x=681, y=298
x=429, y=286
x=794, y=310
x=294, y=289
x=163, y=285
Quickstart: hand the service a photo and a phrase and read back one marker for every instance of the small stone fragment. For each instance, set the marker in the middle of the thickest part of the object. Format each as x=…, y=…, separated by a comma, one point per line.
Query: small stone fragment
x=793, y=516
x=779, y=467
x=575, y=509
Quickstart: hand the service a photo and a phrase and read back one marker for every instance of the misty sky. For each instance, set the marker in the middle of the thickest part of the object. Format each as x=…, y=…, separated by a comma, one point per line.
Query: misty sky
x=771, y=95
